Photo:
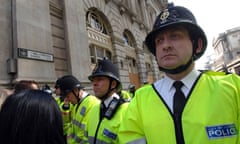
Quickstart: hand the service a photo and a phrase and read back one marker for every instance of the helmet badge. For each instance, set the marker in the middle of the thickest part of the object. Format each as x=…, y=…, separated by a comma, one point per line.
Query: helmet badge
x=164, y=16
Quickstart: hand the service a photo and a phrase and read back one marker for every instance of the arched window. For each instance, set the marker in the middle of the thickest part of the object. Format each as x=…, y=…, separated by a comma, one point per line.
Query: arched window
x=127, y=39
x=94, y=21
x=100, y=44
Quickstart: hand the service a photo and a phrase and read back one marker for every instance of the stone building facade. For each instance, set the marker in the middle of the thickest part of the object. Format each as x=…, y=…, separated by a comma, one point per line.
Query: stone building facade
x=227, y=50
x=44, y=39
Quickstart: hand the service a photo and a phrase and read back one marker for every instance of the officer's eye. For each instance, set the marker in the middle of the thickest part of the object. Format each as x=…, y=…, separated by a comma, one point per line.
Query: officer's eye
x=174, y=36
x=159, y=40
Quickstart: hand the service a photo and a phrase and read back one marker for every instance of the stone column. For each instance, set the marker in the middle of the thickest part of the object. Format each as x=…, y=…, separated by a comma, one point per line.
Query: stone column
x=141, y=65
x=120, y=61
x=77, y=39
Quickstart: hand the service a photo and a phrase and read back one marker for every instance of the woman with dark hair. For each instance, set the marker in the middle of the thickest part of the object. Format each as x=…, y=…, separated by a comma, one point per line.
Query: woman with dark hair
x=31, y=117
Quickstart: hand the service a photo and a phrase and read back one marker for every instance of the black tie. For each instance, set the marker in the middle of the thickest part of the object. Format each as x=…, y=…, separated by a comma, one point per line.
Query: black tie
x=178, y=105
x=178, y=98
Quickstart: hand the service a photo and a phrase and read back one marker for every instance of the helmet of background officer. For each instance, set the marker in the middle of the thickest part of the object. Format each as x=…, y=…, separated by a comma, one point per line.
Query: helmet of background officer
x=174, y=16
x=71, y=88
x=132, y=88
x=105, y=78
x=145, y=82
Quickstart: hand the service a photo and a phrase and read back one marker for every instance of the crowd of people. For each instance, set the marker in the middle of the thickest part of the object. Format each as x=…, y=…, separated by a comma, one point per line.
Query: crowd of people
x=186, y=106
x=79, y=116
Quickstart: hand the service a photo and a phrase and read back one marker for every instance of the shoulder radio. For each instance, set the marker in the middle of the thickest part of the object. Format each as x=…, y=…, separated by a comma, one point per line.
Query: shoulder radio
x=112, y=108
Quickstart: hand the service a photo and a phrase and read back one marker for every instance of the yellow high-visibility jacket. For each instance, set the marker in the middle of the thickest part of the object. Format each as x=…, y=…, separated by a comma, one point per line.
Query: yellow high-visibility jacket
x=79, y=118
x=66, y=114
x=211, y=114
x=125, y=95
x=104, y=131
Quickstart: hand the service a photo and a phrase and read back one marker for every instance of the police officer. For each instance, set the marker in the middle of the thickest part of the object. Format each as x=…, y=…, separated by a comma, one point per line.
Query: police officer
x=186, y=106
x=65, y=107
x=105, y=118
x=72, y=90
x=125, y=95
x=131, y=90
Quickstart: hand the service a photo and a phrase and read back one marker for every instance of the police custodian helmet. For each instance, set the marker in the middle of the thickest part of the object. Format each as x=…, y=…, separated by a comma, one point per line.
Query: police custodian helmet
x=68, y=83
x=106, y=68
x=177, y=15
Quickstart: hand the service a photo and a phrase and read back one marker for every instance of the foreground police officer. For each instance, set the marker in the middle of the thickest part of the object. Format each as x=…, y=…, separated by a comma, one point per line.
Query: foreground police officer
x=105, y=118
x=72, y=90
x=204, y=110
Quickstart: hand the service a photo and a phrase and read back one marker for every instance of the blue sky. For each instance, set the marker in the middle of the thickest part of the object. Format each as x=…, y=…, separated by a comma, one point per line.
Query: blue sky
x=214, y=16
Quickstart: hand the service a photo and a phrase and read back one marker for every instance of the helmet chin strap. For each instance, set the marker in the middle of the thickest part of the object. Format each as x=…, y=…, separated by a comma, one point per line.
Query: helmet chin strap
x=178, y=69
x=76, y=95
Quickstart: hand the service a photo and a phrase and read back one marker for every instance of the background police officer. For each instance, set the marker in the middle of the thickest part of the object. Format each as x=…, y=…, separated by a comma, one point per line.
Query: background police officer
x=72, y=90
x=105, y=118
x=131, y=90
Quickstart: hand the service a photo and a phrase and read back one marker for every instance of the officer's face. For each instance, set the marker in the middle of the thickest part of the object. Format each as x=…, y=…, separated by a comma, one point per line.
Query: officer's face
x=100, y=85
x=71, y=97
x=173, y=47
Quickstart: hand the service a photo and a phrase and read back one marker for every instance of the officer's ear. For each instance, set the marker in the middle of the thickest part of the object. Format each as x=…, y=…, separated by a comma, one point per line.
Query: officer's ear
x=114, y=84
x=199, y=46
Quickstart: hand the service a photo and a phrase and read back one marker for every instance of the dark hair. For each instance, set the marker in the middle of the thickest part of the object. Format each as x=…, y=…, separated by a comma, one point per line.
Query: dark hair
x=31, y=117
x=25, y=84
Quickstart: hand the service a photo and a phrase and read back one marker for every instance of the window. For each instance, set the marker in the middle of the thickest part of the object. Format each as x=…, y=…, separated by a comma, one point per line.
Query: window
x=94, y=21
x=145, y=48
x=99, y=40
x=127, y=39
x=97, y=53
x=132, y=67
x=148, y=67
